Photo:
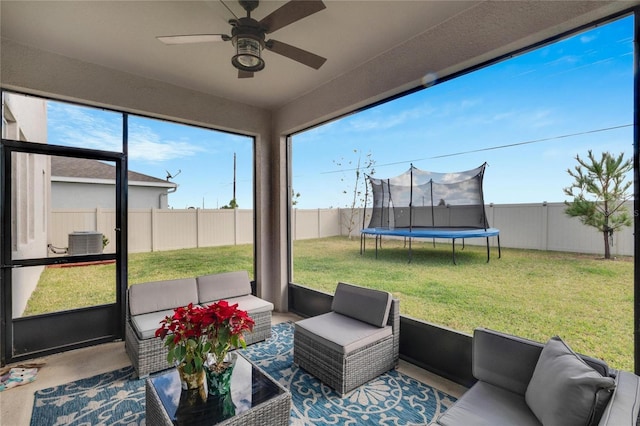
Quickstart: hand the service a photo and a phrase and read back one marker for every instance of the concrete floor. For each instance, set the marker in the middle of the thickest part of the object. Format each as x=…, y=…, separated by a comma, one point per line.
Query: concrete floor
x=16, y=404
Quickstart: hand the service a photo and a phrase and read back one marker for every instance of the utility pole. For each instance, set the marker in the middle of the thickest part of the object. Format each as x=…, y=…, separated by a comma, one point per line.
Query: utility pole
x=234, y=178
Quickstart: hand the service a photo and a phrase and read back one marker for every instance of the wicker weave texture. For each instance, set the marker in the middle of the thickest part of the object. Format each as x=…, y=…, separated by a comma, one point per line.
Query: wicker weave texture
x=149, y=355
x=261, y=329
x=346, y=372
x=155, y=414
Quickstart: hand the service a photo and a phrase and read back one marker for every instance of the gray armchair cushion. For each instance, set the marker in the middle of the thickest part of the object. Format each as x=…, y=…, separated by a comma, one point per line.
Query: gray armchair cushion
x=162, y=295
x=223, y=286
x=564, y=390
x=364, y=304
x=341, y=333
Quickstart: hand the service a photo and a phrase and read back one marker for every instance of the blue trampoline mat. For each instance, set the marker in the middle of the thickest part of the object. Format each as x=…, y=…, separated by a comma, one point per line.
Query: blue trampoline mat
x=451, y=233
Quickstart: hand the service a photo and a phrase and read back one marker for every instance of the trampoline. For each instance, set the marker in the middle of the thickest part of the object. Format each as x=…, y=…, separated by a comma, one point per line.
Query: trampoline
x=449, y=233
x=423, y=204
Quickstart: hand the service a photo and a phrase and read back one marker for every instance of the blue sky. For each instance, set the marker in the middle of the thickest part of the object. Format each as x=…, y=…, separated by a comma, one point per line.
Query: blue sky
x=578, y=86
x=200, y=160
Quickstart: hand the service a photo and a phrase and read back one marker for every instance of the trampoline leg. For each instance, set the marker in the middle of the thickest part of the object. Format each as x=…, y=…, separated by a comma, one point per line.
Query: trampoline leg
x=488, y=250
x=361, y=249
x=453, y=252
x=463, y=244
x=410, y=254
x=499, y=250
x=377, y=236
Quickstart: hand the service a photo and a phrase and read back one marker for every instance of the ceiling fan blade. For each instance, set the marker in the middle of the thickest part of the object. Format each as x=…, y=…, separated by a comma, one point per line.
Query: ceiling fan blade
x=290, y=13
x=307, y=58
x=245, y=74
x=193, y=38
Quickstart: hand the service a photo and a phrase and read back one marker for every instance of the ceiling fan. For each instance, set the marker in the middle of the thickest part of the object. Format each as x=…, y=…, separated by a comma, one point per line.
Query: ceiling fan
x=248, y=36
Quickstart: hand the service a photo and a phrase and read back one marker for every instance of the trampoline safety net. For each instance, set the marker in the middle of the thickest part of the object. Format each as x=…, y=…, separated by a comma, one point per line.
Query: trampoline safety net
x=423, y=199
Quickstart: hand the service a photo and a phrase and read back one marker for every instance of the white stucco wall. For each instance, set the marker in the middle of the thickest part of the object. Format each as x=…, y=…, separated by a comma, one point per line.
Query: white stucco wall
x=26, y=120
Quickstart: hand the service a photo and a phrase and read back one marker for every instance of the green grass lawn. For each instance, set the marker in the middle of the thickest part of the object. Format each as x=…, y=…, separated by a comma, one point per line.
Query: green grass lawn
x=534, y=294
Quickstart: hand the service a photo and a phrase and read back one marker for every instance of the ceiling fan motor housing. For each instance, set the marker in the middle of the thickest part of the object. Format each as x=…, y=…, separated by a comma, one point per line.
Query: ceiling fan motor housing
x=249, y=5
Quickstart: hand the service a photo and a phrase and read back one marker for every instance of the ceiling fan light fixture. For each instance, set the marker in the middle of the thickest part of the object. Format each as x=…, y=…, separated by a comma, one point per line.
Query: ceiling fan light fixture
x=248, y=53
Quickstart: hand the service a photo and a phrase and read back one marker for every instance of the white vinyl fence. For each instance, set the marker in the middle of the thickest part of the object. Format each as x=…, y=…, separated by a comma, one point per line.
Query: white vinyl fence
x=531, y=226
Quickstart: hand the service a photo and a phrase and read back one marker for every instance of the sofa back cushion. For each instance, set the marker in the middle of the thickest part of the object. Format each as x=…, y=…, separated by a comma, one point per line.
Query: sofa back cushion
x=221, y=286
x=364, y=304
x=508, y=361
x=162, y=295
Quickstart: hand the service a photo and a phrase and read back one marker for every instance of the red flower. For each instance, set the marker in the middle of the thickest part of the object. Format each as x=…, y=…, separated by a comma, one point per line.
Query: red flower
x=216, y=329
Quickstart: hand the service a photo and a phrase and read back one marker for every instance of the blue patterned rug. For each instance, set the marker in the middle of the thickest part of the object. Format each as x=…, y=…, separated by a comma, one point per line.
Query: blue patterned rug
x=115, y=399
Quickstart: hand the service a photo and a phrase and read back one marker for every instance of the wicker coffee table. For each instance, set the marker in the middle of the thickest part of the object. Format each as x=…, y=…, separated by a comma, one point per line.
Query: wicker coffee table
x=256, y=399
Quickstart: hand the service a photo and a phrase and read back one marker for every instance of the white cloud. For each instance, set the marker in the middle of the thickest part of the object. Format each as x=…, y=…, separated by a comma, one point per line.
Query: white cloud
x=538, y=118
x=147, y=145
x=75, y=126
x=84, y=127
x=588, y=38
x=382, y=121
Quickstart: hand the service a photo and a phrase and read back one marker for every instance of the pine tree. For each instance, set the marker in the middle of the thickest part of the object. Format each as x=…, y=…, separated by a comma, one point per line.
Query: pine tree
x=599, y=193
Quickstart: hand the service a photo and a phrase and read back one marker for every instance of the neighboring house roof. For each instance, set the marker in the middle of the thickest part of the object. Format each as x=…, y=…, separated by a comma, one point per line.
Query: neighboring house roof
x=84, y=170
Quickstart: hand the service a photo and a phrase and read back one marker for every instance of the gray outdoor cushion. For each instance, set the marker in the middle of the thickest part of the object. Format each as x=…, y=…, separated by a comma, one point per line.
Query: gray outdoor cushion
x=623, y=408
x=341, y=333
x=365, y=304
x=223, y=286
x=250, y=303
x=488, y=405
x=504, y=360
x=145, y=325
x=564, y=390
x=161, y=295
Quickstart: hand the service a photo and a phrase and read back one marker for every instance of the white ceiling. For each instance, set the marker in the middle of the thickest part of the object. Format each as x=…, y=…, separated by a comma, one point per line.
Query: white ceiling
x=121, y=35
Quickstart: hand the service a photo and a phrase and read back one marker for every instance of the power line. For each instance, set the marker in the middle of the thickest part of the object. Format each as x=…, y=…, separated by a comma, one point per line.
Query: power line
x=533, y=141
x=511, y=145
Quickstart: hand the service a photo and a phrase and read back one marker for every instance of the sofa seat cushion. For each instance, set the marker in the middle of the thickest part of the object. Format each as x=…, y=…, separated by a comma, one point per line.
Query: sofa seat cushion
x=223, y=286
x=145, y=325
x=161, y=295
x=341, y=333
x=251, y=304
x=488, y=405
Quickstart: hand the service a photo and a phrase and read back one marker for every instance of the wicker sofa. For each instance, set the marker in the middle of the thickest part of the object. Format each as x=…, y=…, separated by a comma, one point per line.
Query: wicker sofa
x=521, y=382
x=150, y=302
x=354, y=343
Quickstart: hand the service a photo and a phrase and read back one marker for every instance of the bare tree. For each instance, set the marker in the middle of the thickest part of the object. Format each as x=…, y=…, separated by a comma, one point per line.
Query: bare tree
x=363, y=166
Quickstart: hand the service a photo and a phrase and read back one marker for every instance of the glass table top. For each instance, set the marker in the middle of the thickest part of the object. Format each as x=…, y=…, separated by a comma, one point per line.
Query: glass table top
x=249, y=388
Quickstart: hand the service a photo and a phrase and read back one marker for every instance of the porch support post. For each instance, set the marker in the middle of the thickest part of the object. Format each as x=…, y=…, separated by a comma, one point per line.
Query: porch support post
x=636, y=191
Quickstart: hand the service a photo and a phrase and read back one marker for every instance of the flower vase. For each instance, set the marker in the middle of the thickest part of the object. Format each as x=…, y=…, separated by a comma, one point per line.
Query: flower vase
x=219, y=381
x=194, y=381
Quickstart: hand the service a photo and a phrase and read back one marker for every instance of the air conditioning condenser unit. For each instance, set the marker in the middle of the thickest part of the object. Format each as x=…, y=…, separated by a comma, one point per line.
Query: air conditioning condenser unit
x=85, y=242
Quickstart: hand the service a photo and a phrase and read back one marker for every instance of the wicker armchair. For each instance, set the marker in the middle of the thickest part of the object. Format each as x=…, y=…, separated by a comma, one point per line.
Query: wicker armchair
x=354, y=343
